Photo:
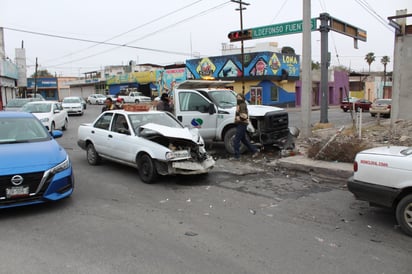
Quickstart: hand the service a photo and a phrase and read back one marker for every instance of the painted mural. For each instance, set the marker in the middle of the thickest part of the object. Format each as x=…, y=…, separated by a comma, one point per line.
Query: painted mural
x=168, y=78
x=255, y=64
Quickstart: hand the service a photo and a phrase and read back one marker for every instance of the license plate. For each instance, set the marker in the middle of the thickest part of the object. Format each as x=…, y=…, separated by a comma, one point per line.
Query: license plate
x=181, y=153
x=18, y=191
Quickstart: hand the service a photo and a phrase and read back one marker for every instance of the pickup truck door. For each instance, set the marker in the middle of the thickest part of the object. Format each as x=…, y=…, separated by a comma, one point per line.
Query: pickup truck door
x=194, y=110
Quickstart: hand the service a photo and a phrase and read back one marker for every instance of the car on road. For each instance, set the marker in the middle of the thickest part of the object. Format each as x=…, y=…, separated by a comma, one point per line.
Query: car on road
x=73, y=105
x=154, y=142
x=34, y=168
x=17, y=103
x=383, y=176
x=382, y=107
x=96, y=99
x=50, y=113
x=358, y=103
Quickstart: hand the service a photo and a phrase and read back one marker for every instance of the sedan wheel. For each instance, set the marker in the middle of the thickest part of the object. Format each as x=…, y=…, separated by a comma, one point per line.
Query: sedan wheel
x=404, y=214
x=147, y=169
x=52, y=127
x=93, y=157
x=66, y=124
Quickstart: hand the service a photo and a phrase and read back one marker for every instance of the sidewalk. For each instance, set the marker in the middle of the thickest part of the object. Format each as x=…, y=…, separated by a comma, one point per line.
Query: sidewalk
x=323, y=170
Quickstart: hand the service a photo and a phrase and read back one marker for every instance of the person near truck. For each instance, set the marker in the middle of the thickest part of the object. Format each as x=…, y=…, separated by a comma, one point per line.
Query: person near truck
x=164, y=104
x=241, y=121
x=108, y=104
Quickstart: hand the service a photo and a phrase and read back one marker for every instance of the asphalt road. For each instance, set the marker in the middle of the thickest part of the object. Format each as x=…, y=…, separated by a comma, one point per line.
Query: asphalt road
x=245, y=217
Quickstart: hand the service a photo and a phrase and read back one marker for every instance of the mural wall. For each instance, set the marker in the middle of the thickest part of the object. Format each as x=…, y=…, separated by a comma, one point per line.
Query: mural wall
x=258, y=64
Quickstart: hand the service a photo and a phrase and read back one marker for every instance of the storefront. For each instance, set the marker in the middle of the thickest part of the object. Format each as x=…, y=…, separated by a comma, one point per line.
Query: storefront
x=8, y=78
x=46, y=87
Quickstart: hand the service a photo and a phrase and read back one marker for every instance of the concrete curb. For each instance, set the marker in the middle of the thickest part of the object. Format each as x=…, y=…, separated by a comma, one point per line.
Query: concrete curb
x=328, y=171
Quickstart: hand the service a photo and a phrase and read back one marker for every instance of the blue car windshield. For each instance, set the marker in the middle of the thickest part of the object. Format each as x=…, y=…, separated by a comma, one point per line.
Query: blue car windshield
x=21, y=130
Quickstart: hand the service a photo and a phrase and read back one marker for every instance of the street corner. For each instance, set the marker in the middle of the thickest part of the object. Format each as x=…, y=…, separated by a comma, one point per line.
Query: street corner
x=321, y=171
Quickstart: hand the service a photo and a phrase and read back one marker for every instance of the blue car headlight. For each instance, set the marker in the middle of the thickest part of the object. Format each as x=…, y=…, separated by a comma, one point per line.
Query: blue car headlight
x=60, y=167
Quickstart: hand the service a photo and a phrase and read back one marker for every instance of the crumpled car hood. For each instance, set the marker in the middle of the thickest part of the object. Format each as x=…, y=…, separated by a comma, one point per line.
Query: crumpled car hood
x=176, y=133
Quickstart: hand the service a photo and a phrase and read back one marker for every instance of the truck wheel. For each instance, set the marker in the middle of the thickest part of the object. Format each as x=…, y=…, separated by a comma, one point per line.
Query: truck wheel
x=229, y=138
x=136, y=101
x=93, y=157
x=147, y=169
x=404, y=214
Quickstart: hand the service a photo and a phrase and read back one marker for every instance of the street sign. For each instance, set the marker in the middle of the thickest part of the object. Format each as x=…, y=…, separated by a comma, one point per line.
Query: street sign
x=281, y=29
x=347, y=29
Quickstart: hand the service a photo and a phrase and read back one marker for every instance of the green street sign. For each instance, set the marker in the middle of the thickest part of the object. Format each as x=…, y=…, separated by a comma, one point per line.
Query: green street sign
x=281, y=29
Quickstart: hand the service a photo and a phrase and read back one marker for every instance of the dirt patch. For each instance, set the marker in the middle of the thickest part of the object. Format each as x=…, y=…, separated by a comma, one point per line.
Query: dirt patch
x=341, y=145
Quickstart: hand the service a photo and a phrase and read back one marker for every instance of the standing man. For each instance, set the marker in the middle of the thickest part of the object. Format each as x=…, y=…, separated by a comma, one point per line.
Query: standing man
x=108, y=104
x=241, y=121
x=164, y=103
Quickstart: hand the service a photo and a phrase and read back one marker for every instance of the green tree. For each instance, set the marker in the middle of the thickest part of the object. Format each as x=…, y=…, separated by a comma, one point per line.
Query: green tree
x=370, y=58
x=315, y=65
x=42, y=73
x=385, y=60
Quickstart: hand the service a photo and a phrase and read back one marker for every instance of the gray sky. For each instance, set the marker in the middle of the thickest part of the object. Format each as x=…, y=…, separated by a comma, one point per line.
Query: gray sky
x=173, y=31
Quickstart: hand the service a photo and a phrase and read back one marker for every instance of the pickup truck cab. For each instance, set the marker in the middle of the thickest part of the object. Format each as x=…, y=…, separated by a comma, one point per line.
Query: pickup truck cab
x=135, y=97
x=210, y=107
x=383, y=177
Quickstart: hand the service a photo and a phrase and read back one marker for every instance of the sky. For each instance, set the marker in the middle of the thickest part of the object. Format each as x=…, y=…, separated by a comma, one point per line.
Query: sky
x=165, y=32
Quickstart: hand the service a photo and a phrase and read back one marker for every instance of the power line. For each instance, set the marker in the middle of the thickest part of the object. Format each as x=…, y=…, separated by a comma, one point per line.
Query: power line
x=120, y=45
x=364, y=4
x=128, y=31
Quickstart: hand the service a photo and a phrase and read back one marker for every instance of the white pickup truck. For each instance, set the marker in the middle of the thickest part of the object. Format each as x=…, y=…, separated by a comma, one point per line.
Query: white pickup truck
x=135, y=97
x=383, y=177
x=210, y=107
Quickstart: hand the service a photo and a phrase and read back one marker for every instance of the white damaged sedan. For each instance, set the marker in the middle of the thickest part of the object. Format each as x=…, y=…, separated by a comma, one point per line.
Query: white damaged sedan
x=154, y=142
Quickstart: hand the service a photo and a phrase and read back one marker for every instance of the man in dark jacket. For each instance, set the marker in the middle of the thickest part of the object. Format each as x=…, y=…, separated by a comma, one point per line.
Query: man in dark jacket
x=164, y=103
x=241, y=121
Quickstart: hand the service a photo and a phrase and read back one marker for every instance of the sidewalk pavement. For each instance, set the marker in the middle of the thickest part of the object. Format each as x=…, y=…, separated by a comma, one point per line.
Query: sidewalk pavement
x=323, y=170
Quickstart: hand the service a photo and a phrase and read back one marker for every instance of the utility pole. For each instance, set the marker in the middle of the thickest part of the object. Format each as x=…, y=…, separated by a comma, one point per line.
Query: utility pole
x=306, y=98
x=242, y=50
x=35, y=79
x=324, y=30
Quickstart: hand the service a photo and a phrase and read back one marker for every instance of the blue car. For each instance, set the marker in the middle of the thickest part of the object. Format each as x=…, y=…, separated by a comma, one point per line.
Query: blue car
x=34, y=168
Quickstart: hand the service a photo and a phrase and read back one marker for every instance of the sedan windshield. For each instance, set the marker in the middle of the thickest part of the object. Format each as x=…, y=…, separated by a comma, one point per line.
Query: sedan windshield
x=37, y=108
x=17, y=102
x=71, y=100
x=161, y=118
x=223, y=98
x=18, y=130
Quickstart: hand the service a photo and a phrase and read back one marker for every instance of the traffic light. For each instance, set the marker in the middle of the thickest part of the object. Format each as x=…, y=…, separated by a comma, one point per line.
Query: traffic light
x=240, y=35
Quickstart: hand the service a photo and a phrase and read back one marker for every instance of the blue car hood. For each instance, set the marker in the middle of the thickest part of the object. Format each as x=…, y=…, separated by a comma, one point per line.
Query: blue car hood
x=30, y=157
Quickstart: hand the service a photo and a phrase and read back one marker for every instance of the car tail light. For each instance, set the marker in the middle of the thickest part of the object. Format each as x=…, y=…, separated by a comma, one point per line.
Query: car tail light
x=355, y=166
x=389, y=106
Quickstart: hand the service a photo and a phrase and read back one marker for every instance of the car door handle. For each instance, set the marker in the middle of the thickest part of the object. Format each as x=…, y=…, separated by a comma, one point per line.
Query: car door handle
x=110, y=136
x=92, y=131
